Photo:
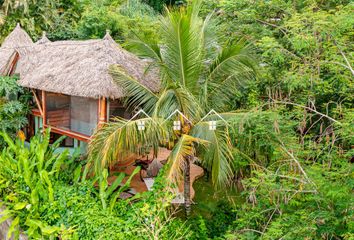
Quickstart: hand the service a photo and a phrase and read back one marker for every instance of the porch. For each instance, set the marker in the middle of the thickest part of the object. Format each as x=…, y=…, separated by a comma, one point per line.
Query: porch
x=71, y=116
x=141, y=182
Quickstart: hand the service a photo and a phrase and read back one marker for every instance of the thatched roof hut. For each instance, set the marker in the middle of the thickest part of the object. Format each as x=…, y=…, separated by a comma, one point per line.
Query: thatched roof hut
x=81, y=68
x=17, y=39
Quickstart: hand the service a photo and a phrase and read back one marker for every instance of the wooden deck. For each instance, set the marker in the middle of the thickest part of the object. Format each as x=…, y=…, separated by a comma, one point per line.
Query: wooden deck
x=139, y=186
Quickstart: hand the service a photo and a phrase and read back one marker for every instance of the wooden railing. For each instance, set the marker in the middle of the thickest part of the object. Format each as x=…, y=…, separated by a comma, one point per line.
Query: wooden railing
x=60, y=118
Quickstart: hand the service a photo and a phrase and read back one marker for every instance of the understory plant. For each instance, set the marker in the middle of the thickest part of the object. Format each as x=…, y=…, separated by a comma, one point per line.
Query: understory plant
x=280, y=203
x=14, y=105
x=27, y=175
x=44, y=198
x=110, y=194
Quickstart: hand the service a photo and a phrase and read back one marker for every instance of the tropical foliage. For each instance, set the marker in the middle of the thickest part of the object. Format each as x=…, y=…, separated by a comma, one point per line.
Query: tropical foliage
x=188, y=85
x=13, y=105
x=27, y=176
x=287, y=147
x=78, y=19
x=195, y=68
x=42, y=194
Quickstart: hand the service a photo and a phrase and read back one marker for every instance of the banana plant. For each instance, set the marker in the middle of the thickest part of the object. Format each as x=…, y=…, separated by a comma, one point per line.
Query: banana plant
x=110, y=194
x=36, y=165
x=29, y=172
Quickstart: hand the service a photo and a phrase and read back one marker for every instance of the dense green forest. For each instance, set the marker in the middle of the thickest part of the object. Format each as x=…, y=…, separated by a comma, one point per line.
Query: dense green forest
x=289, y=149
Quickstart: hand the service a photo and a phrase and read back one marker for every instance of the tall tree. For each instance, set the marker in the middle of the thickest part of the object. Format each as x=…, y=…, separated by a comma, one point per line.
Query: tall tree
x=198, y=73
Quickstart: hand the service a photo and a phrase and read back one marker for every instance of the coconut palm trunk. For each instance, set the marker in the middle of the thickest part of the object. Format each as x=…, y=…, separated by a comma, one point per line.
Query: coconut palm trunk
x=187, y=185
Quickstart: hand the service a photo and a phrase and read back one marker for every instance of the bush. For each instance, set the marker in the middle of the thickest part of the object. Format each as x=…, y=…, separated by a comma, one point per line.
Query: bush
x=45, y=202
x=13, y=105
x=286, y=204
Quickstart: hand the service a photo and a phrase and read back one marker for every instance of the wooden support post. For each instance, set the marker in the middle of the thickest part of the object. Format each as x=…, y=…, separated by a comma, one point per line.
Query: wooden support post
x=102, y=111
x=44, y=108
x=13, y=64
x=38, y=102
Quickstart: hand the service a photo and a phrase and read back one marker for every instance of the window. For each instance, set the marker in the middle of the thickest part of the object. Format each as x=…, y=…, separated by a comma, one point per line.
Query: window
x=83, y=115
x=76, y=114
x=58, y=110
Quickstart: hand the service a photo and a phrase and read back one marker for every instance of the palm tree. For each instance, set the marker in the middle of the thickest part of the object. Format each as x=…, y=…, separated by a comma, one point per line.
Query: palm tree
x=9, y=5
x=198, y=74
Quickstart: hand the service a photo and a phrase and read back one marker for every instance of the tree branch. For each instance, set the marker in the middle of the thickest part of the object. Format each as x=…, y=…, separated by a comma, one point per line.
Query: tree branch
x=310, y=109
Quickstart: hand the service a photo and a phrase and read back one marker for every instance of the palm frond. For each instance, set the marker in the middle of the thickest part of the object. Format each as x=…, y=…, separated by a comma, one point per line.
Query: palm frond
x=117, y=140
x=233, y=59
x=150, y=50
x=221, y=94
x=178, y=98
x=145, y=49
x=183, y=46
x=183, y=148
x=138, y=95
x=230, y=71
x=217, y=157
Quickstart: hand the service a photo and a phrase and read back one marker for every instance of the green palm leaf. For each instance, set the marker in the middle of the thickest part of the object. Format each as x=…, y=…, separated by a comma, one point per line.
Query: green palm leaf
x=217, y=157
x=178, y=98
x=183, y=46
x=137, y=94
x=232, y=59
x=233, y=67
x=114, y=141
x=183, y=148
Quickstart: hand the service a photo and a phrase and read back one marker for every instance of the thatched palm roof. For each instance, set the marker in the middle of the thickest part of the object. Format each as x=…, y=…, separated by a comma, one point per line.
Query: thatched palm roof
x=43, y=39
x=18, y=38
x=80, y=68
x=5, y=56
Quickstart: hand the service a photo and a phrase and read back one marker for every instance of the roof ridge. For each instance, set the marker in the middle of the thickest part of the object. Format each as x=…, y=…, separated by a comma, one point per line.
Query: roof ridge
x=43, y=39
x=17, y=37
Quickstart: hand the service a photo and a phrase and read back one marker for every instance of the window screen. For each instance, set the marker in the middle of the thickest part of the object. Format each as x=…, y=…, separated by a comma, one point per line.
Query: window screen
x=84, y=115
x=77, y=114
x=58, y=110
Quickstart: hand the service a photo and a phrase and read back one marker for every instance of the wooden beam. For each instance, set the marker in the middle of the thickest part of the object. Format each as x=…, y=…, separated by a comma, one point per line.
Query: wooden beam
x=102, y=110
x=36, y=112
x=44, y=108
x=75, y=135
x=38, y=102
x=13, y=64
x=9, y=68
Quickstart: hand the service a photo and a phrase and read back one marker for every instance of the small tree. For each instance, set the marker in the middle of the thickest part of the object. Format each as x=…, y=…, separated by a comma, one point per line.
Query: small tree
x=198, y=74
